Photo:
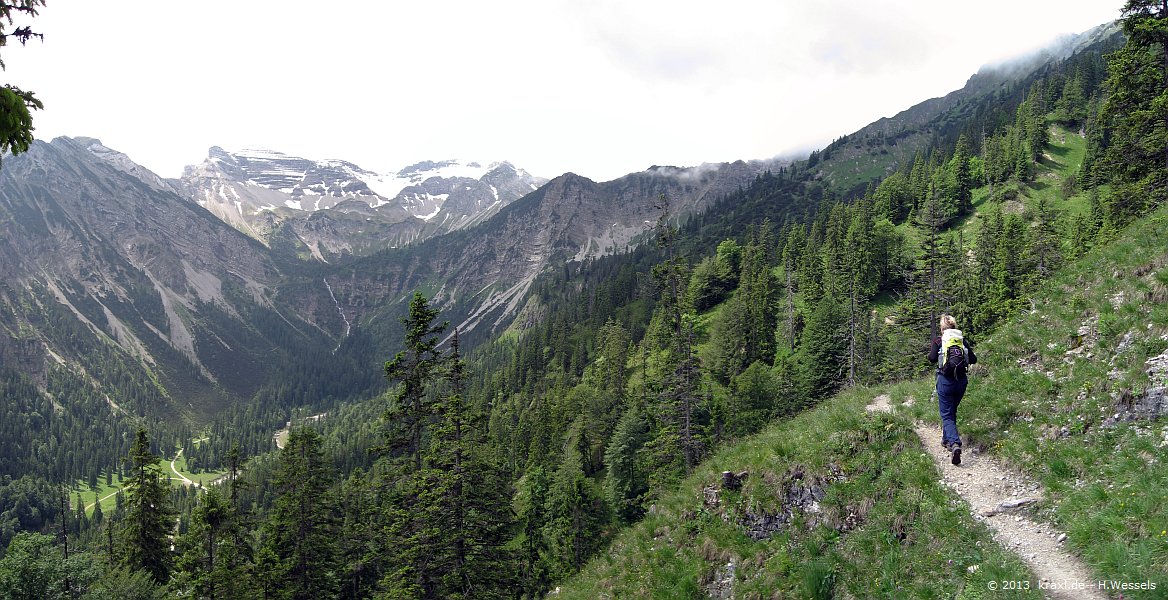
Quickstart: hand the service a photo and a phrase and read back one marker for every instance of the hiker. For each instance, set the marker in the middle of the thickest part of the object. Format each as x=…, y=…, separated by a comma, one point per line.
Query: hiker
x=952, y=355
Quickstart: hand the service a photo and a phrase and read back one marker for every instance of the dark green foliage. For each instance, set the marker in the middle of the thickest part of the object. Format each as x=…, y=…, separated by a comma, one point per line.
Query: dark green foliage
x=1135, y=115
x=680, y=413
x=410, y=412
x=447, y=518
x=534, y=552
x=145, y=541
x=575, y=516
x=215, y=552
x=26, y=504
x=823, y=354
x=127, y=584
x=300, y=534
x=715, y=277
x=466, y=501
x=754, y=401
x=745, y=329
x=15, y=119
x=627, y=481
x=34, y=568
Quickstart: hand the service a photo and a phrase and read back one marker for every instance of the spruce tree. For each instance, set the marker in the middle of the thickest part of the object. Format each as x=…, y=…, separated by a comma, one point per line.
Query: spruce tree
x=962, y=175
x=627, y=482
x=860, y=258
x=209, y=565
x=472, y=499
x=823, y=354
x=410, y=413
x=1136, y=111
x=149, y=519
x=300, y=534
x=531, y=512
x=758, y=290
x=575, y=515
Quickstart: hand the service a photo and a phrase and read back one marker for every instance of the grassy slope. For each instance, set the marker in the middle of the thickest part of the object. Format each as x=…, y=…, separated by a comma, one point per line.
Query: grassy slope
x=1107, y=483
x=886, y=527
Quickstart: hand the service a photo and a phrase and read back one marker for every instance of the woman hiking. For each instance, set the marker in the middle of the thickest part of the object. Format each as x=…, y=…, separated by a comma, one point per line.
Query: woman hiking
x=952, y=355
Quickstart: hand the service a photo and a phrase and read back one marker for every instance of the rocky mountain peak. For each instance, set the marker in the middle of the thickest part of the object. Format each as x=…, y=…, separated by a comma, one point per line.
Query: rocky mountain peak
x=265, y=193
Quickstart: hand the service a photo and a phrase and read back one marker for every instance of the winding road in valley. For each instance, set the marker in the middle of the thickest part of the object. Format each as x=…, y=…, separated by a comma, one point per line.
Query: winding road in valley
x=181, y=477
x=178, y=477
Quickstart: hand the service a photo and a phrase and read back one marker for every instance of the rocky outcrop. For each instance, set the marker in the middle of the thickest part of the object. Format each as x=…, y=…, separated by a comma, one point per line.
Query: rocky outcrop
x=798, y=493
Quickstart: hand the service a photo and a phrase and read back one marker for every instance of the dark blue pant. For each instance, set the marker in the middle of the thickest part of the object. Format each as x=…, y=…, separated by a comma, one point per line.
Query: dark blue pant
x=949, y=393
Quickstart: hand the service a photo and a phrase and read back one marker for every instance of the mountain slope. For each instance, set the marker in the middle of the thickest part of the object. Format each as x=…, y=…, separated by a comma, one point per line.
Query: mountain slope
x=92, y=239
x=987, y=100
x=481, y=275
x=839, y=502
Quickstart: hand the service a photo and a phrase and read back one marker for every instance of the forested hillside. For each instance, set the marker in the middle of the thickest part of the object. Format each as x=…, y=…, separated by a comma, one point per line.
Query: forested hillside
x=582, y=449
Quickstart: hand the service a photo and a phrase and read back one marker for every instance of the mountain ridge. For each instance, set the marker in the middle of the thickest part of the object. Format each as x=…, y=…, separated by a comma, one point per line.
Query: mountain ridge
x=269, y=194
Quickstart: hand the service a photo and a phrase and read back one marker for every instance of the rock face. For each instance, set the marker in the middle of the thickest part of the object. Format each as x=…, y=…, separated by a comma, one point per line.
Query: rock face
x=97, y=253
x=323, y=209
x=485, y=273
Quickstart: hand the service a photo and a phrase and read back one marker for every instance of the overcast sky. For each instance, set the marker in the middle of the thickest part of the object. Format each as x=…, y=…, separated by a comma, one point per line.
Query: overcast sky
x=599, y=88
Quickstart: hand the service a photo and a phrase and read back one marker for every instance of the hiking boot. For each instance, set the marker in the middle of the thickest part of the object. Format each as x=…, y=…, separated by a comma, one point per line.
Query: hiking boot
x=956, y=454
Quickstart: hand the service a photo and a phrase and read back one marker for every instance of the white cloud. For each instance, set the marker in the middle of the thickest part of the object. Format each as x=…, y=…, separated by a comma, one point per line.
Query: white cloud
x=599, y=88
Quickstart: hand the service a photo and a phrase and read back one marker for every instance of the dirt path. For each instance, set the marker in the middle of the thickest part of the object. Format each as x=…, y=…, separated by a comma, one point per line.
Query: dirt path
x=995, y=495
x=181, y=477
x=103, y=499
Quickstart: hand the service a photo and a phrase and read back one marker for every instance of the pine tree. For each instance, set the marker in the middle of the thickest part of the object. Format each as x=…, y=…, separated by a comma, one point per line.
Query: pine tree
x=410, y=413
x=627, y=481
x=471, y=500
x=149, y=520
x=575, y=514
x=300, y=534
x=531, y=512
x=1136, y=111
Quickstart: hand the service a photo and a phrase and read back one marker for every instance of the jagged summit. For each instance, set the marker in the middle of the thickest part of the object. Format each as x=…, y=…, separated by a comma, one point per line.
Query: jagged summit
x=265, y=192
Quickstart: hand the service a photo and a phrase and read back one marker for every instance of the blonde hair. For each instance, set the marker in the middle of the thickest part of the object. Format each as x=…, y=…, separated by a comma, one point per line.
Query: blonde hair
x=948, y=322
